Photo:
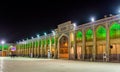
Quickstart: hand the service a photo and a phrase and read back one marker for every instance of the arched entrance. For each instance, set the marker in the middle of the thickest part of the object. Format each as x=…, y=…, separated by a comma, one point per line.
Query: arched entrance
x=63, y=47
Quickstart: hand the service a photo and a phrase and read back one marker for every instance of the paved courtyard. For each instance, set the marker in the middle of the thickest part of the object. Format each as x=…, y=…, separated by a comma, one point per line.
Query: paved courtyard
x=19, y=64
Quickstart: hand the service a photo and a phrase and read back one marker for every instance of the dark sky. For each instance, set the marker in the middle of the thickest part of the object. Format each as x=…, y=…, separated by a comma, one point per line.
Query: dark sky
x=21, y=20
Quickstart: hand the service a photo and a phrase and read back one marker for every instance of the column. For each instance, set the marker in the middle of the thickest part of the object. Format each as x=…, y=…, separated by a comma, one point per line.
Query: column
x=75, y=45
x=45, y=47
x=41, y=48
x=83, y=44
x=94, y=43
x=107, y=42
x=55, y=48
x=50, y=48
x=32, y=49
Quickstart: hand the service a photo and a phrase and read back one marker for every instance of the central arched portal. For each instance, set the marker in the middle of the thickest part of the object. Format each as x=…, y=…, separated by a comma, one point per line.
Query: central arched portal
x=63, y=47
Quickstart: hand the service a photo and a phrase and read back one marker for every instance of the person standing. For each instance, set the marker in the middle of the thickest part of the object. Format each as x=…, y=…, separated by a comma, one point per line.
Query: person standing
x=31, y=55
x=104, y=56
x=48, y=54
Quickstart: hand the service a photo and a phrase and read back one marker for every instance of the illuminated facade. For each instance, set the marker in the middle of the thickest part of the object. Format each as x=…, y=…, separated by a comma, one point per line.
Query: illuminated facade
x=5, y=49
x=84, y=42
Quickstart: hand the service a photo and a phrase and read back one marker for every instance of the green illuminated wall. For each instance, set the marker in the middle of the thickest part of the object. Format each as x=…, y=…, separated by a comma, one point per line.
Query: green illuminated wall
x=53, y=40
x=36, y=43
x=79, y=35
x=44, y=42
x=26, y=45
x=22, y=45
x=0, y=47
x=5, y=47
x=48, y=41
x=101, y=33
x=40, y=43
x=115, y=30
x=30, y=44
x=89, y=35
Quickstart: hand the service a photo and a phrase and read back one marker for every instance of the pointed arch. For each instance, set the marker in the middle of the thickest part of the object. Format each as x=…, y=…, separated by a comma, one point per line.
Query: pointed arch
x=101, y=33
x=115, y=30
x=79, y=35
x=89, y=35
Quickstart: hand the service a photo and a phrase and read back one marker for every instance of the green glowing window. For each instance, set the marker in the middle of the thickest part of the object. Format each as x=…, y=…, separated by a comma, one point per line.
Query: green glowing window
x=44, y=42
x=0, y=47
x=36, y=44
x=79, y=35
x=5, y=46
x=101, y=33
x=89, y=34
x=53, y=40
x=30, y=44
x=22, y=45
x=48, y=41
x=115, y=30
x=40, y=43
x=26, y=45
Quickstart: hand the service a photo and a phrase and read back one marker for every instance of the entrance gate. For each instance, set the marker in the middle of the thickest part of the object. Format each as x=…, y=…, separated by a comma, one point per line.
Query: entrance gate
x=63, y=49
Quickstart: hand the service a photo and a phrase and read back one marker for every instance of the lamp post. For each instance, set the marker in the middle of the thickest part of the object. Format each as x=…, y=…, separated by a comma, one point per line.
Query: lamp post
x=92, y=19
x=2, y=42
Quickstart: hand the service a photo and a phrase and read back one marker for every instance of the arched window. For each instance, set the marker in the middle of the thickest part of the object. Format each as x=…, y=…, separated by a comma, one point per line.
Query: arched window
x=53, y=40
x=44, y=42
x=36, y=44
x=48, y=41
x=115, y=30
x=89, y=35
x=79, y=36
x=101, y=33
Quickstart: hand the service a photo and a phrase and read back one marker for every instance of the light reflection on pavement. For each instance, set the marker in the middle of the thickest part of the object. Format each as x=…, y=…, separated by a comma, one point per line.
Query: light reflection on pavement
x=20, y=64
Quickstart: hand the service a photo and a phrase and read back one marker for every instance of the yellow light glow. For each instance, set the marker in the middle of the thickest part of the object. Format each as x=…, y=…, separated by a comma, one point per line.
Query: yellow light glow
x=66, y=44
x=71, y=37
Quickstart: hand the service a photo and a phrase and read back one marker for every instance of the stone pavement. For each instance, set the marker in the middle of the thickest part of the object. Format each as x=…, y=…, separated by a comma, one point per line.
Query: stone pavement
x=20, y=64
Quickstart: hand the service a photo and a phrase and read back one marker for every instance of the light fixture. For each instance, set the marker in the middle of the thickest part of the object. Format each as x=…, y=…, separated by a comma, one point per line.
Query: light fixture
x=74, y=24
x=38, y=36
x=53, y=32
x=31, y=37
x=2, y=42
x=45, y=33
x=92, y=19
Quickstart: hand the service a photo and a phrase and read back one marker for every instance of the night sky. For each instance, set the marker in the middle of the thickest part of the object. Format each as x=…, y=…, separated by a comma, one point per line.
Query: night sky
x=21, y=20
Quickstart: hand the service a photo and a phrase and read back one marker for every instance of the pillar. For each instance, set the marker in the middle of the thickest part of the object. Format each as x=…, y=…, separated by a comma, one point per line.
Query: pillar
x=83, y=43
x=108, y=42
x=94, y=43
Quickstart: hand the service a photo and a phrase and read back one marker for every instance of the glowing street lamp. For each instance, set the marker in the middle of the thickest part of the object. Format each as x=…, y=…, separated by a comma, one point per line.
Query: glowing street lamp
x=45, y=34
x=2, y=42
x=31, y=37
x=74, y=24
x=53, y=32
x=38, y=36
x=92, y=19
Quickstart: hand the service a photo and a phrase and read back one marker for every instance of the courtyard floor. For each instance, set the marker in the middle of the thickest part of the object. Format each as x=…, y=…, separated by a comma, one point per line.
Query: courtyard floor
x=20, y=64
